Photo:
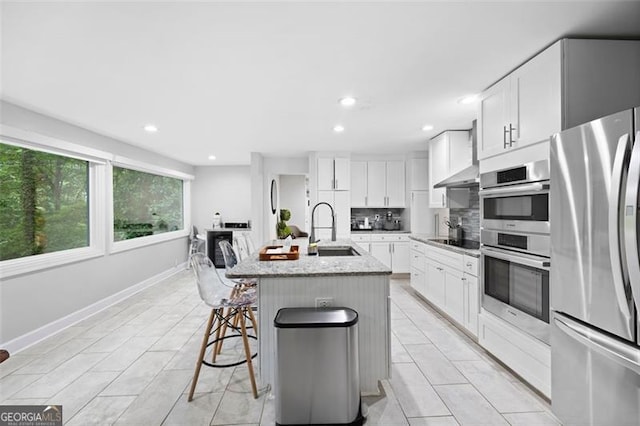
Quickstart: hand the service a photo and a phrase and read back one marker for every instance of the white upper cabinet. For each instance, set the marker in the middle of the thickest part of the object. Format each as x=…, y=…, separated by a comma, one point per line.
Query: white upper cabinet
x=325, y=174
x=535, y=99
x=438, y=168
x=419, y=174
x=333, y=174
x=341, y=173
x=571, y=82
x=449, y=152
x=493, y=113
x=339, y=200
x=522, y=108
x=358, y=184
x=395, y=183
x=378, y=183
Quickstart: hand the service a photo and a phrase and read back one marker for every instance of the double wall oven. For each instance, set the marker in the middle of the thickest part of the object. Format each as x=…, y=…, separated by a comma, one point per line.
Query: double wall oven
x=515, y=246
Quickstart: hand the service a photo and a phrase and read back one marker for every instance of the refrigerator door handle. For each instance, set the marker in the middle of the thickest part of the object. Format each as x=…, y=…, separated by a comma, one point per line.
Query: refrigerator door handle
x=619, y=352
x=631, y=220
x=616, y=248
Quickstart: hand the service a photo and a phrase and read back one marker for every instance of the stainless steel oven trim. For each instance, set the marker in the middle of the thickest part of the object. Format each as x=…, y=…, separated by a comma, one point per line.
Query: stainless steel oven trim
x=521, y=258
x=536, y=171
x=540, y=227
x=517, y=226
x=523, y=321
x=516, y=190
x=537, y=244
x=519, y=319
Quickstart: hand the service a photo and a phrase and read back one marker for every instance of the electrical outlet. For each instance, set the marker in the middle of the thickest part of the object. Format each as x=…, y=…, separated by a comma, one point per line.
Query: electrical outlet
x=324, y=302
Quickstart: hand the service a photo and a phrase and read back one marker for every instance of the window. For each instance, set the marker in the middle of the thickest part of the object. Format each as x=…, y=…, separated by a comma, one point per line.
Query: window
x=145, y=204
x=44, y=206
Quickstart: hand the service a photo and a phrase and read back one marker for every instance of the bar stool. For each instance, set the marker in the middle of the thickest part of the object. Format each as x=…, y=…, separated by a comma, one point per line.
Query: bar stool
x=196, y=243
x=228, y=305
x=243, y=285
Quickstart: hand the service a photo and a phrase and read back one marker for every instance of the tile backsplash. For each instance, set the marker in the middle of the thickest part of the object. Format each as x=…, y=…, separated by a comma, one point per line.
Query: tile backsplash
x=359, y=214
x=470, y=216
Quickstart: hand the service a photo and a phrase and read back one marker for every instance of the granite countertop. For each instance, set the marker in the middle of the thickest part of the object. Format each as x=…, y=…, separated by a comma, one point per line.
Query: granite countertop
x=311, y=266
x=428, y=239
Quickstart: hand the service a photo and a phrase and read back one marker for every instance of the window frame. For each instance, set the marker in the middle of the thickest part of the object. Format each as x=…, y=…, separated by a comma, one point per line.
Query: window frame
x=97, y=161
x=100, y=203
x=125, y=245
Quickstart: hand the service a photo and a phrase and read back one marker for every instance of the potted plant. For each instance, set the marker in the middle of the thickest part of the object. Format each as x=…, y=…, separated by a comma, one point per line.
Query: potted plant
x=282, y=230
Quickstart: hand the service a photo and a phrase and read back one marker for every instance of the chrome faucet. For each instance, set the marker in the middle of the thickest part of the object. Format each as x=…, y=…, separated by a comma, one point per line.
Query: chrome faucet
x=312, y=236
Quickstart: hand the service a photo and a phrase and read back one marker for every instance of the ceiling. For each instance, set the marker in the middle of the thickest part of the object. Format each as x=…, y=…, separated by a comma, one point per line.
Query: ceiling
x=229, y=79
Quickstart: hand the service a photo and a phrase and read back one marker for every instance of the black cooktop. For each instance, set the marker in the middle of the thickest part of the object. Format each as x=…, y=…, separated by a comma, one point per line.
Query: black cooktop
x=465, y=244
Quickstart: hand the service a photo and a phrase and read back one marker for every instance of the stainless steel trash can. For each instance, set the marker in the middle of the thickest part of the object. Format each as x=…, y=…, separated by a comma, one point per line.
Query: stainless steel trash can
x=317, y=372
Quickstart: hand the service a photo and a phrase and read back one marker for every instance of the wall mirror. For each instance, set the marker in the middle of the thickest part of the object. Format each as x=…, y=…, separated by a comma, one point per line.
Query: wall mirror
x=274, y=196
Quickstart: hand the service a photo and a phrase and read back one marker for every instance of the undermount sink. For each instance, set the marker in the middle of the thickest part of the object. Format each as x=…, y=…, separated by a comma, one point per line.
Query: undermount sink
x=337, y=251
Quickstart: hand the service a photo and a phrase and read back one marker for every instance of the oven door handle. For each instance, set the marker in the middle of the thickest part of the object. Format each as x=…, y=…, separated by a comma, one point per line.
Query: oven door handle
x=528, y=260
x=519, y=190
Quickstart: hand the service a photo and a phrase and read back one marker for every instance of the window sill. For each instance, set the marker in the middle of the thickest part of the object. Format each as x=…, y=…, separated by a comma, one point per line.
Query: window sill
x=124, y=245
x=30, y=264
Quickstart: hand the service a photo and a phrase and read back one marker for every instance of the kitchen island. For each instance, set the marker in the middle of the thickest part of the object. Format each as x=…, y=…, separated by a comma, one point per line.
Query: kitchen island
x=359, y=282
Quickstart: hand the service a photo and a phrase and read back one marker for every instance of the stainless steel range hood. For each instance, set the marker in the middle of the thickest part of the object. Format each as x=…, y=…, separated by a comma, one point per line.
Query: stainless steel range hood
x=463, y=179
x=469, y=176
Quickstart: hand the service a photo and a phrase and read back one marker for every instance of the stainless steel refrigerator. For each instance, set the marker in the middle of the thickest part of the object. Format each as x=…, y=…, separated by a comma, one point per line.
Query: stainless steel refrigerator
x=595, y=272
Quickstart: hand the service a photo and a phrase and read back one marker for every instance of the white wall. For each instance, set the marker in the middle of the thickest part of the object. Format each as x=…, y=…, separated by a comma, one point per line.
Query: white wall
x=33, y=300
x=263, y=171
x=224, y=189
x=293, y=196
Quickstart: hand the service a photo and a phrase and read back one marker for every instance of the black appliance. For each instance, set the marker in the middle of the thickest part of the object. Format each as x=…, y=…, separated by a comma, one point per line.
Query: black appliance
x=213, y=248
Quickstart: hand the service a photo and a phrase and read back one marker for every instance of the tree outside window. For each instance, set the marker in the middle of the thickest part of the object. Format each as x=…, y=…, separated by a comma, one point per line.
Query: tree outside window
x=145, y=204
x=44, y=204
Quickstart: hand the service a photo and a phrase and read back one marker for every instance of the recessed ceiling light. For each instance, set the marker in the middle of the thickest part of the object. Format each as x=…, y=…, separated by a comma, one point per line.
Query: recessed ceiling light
x=150, y=128
x=212, y=157
x=338, y=129
x=469, y=99
x=427, y=128
x=347, y=101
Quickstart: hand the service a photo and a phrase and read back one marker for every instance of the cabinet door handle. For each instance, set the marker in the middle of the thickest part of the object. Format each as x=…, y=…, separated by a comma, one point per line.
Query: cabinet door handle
x=412, y=194
x=469, y=264
x=504, y=136
x=366, y=200
x=511, y=129
x=442, y=200
x=336, y=184
x=464, y=279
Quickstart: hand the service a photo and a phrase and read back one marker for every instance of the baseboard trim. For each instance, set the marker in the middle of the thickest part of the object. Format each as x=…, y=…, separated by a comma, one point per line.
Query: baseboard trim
x=21, y=343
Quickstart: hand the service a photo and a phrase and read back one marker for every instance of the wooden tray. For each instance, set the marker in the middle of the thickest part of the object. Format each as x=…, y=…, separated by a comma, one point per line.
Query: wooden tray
x=292, y=255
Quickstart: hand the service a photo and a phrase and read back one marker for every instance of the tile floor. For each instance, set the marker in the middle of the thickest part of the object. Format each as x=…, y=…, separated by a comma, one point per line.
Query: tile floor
x=132, y=365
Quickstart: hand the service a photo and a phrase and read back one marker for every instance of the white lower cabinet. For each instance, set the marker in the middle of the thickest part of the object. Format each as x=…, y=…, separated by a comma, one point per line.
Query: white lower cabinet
x=363, y=241
x=471, y=303
x=382, y=252
x=528, y=357
x=435, y=283
x=393, y=250
x=400, y=253
x=449, y=281
x=454, y=294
